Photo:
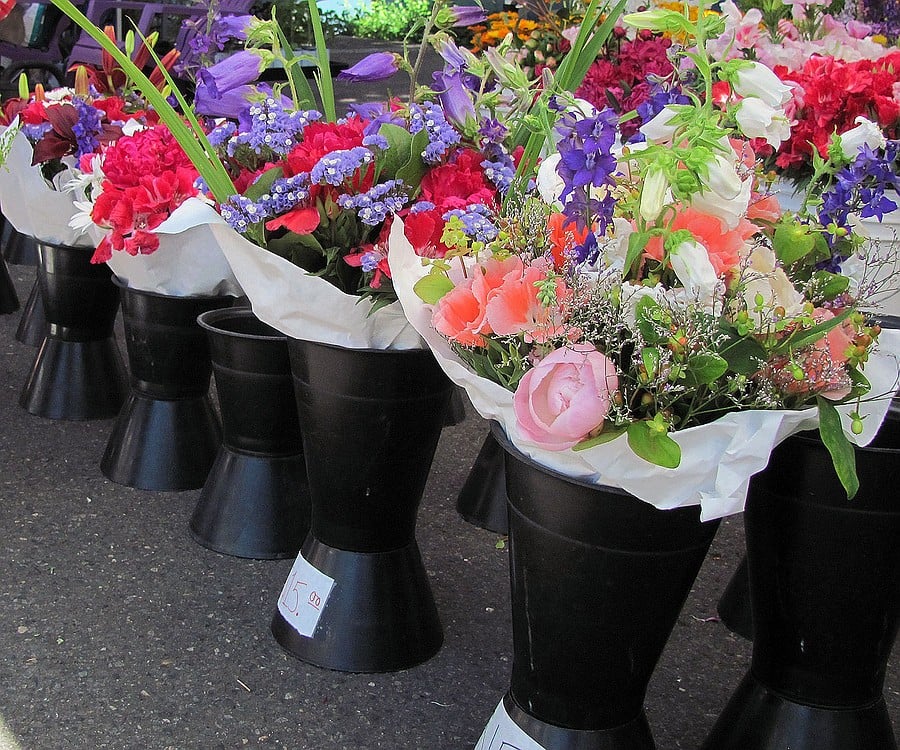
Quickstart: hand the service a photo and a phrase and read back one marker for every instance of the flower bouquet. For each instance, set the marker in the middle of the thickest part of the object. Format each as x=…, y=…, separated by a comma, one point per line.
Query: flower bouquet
x=648, y=319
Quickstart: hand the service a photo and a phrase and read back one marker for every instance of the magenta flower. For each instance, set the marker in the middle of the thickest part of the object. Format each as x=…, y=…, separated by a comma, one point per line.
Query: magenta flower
x=374, y=67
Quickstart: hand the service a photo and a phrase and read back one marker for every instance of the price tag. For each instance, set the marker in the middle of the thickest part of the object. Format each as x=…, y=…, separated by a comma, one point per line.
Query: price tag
x=303, y=596
x=502, y=733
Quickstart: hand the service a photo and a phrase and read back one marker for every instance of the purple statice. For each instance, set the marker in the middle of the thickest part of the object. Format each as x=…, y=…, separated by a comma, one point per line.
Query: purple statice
x=269, y=125
x=220, y=134
x=86, y=128
x=477, y=221
x=284, y=194
x=34, y=133
x=586, y=163
x=441, y=134
x=241, y=213
x=377, y=203
x=341, y=165
x=420, y=206
x=500, y=169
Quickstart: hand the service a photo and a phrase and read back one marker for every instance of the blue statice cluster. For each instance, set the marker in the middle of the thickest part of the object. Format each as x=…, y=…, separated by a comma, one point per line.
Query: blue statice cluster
x=861, y=188
x=477, y=222
x=220, y=134
x=338, y=166
x=442, y=136
x=498, y=165
x=271, y=127
x=377, y=203
x=285, y=193
x=34, y=133
x=587, y=164
x=87, y=128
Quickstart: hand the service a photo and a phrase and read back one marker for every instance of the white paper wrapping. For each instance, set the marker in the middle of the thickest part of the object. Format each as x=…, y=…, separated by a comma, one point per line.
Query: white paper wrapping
x=189, y=260
x=32, y=206
x=308, y=307
x=717, y=459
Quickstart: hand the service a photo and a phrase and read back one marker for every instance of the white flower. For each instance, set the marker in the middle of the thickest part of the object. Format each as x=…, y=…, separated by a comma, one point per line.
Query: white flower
x=132, y=126
x=721, y=177
x=755, y=79
x=866, y=133
x=629, y=297
x=766, y=280
x=690, y=261
x=653, y=193
x=81, y=219
x=614, y=250
x=757, y=119
x=549, y=184
x=658, y=129
x=729, y=211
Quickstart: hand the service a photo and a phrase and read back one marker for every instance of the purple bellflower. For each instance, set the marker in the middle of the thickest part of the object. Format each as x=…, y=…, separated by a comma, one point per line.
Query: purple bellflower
x=375, y=67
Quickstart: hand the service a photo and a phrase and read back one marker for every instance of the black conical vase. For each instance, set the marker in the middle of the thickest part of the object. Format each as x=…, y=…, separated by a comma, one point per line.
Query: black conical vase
x=598, y=578
x=167, y=434
x=18, y=249
x=255, y=502
x=78, y=372
x=9, y=300
x=482, y=499
x=33, y=326
x=824, y=579
x=371, y=420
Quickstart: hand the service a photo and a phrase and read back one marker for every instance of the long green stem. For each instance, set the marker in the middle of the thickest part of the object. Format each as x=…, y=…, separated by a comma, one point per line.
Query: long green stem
x=211, y=169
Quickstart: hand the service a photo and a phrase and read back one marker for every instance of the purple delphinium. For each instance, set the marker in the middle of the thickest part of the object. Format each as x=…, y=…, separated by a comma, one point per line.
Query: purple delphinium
x=375, y=67
x=587, y=162
x=86, y=128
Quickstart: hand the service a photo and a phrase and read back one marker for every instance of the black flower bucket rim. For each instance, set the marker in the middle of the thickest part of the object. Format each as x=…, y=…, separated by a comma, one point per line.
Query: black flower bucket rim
x=208, y=322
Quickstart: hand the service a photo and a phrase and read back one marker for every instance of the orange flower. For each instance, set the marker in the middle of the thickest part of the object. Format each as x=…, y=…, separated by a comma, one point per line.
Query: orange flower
x=564, y=235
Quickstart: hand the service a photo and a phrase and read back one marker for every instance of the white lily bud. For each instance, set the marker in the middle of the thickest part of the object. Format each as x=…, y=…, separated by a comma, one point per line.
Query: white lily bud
x=691, y=263
x=721, y=177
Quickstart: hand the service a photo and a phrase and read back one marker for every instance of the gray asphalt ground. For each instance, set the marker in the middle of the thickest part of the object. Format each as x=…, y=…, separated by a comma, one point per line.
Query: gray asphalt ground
x=118, y=631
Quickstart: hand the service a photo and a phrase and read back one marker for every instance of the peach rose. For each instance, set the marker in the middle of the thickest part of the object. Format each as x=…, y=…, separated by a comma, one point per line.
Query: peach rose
x=565, y=396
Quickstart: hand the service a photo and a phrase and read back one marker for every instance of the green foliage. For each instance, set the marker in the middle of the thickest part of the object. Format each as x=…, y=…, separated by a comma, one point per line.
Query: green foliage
x=294, y=18
x=389, y=20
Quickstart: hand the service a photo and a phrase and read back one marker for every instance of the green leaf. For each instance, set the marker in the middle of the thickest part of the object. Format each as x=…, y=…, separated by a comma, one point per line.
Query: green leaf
x=792, y=242
x=842, y=453
x=704, y=369
x=744, y=355
x=432, y=287
x=648, y=442
x=809, y=336
x=643, y=313
x=263, y=183
x=650, y=359
x=830, y=285
x=608, y=435
x=637, y=241
x=302, y=250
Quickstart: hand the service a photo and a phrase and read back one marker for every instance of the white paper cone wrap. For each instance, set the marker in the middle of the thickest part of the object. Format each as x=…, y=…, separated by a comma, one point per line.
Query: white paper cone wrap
x=189, y=260
x=32, y=206
x=717, y=459
x=307, y=307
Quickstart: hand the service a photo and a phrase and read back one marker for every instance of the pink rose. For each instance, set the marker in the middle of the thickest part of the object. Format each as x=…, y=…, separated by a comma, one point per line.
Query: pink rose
x=565, y=396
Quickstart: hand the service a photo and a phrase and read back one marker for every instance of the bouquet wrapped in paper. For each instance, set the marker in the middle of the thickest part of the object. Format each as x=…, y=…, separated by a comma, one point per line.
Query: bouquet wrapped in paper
x=643, y=315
